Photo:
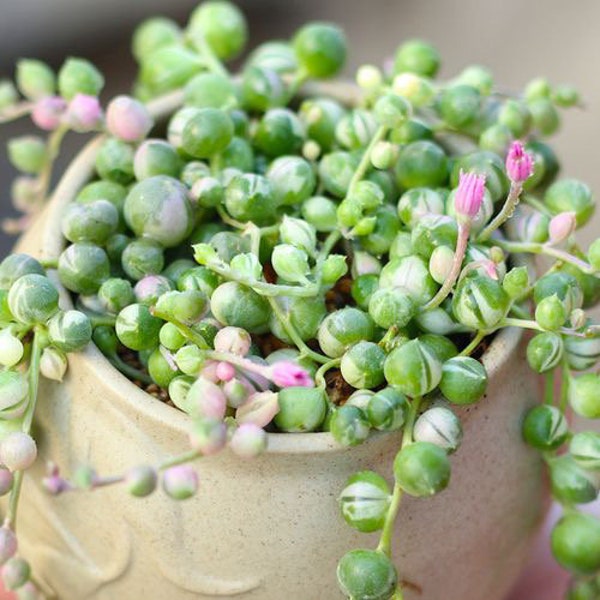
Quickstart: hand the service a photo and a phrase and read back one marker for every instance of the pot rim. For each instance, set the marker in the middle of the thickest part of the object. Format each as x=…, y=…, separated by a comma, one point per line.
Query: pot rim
x=79, y=172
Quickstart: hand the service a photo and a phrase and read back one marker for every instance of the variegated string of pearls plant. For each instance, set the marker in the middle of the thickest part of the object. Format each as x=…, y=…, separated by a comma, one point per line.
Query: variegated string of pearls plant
x=334, y=244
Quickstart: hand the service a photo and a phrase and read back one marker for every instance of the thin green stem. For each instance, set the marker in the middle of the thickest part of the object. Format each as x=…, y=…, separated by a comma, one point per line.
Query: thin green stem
x=229, y=220
x=255, y=236
x=564, y=385
x=262, y=287
x=365, y=161
x=519, y=311
x=186, y=331
x=250, y=229
x=320, y=374
x=549, y=387
x=547, y=250
x=459, y=255
x=49, y=263
x=216, y=164
x=16, y=111
x=330, y=241
x=209, y=58
x=34, y=378
x=389, y=335
x=33, y=381
x=564, y=256
x=407, y=435
x=296, y=83
x=523, y=323
x=472, y=345
x=238, y=361
x=505, y=213
x=385, y=540
x=106, y=481
x=539, y=206
x=294, y=335
x=180, y=459
x=130, y=371
x=101, y=320
x=54, y=142
x=531, y=324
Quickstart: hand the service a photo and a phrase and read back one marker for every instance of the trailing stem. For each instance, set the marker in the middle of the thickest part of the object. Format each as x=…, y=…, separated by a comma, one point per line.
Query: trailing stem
x=385, y=540
x=33, y=381
x=461, y=248
x=505, y=213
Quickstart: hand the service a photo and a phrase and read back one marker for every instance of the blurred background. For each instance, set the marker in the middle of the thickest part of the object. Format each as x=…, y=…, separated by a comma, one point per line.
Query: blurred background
x=517, y=40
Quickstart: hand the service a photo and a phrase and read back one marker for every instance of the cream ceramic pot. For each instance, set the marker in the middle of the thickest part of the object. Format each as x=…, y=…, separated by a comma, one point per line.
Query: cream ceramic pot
x=268, y=528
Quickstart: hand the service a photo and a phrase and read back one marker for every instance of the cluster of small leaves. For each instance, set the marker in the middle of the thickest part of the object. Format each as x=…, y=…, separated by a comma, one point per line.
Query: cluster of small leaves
x=573, y=459
x=35, y=337
x=57, y=103
x=273, y=249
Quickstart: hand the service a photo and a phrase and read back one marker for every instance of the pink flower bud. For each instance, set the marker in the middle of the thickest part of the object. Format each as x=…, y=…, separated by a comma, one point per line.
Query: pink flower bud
x=260, y=409
x=6, y=481
x=561, y=227
x=84, y=113
x=469, y=195
x=128, y=119
x=237, y=392
x=150, y=287
x=209, y=436
x=289, y=374
x=15, y=573
x=209, y=371
x=18, y=451
x=519, y=163
x=206, y=399
x=234, y=340
x=8, y=544
x=225, y=371
x=248, y=440
x=141, y=480
x=53, y=483
x=47, y=112
x=180, y=482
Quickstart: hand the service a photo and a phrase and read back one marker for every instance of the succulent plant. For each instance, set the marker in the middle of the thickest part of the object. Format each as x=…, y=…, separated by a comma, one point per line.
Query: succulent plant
x=373, y=244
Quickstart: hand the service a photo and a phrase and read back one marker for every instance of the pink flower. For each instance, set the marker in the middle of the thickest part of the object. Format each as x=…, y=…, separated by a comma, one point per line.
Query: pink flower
x=128, y=119
x=289, y=374
x=469, y=195
x=248, y=440
x=180, y=482
x=84, y=113
x=47, y=112
x=53, y=483
x=225, y=371
x=519, y=163
x=561, y=227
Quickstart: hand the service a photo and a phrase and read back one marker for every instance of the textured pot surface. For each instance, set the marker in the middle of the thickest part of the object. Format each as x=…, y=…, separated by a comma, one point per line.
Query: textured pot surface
x=267, y=528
